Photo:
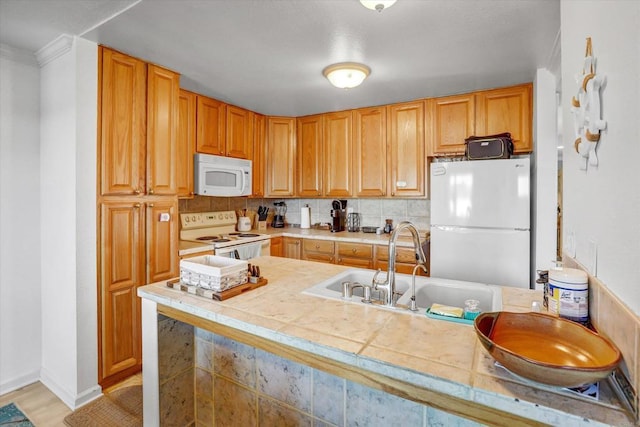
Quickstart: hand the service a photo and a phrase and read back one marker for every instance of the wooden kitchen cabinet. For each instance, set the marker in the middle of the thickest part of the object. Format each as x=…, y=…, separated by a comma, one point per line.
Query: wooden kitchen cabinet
x=258, y=156
x=507, y=109
x=280, y=156
x=291, y=247
x=186, y=143
x=318, y=250
x=163, y=97
x=309, y=156
x=354, y=254
x=338, y=154
x=405, y=260
x=137, y=246
x=210, y=122
x=276, y=248
x=162, y=239
x=121, y=272
x=122, y=112
x=405, y=142
x=370, y=152
x=138, y=126
x=139, y=109
x=239, y=132
x=451, y=120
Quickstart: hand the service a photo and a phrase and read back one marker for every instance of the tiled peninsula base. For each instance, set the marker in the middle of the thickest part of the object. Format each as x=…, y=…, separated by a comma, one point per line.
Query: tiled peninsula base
x=207, y=379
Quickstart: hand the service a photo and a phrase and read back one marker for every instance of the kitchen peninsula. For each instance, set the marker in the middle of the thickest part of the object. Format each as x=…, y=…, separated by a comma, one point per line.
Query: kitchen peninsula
x=275, y=355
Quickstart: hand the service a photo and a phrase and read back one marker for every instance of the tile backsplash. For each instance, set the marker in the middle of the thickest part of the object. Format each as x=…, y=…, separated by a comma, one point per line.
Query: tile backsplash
x=373, y=211
x=612, y=317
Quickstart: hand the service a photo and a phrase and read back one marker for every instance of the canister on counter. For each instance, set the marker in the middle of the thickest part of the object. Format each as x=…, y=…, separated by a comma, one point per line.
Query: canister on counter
x=569, y=294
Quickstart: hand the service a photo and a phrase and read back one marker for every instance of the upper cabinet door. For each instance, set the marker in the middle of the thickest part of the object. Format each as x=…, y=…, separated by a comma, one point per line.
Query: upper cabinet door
x=122, y=123
x=280, y=156
x=259, y=147
x=370, y=152
x=405, y=143
x=210, y=137
x=163, y=95
x=309, y=156
x=507, y=110
x=338, y=154
x=451, y=120
x=239, y=132
x=186, y=143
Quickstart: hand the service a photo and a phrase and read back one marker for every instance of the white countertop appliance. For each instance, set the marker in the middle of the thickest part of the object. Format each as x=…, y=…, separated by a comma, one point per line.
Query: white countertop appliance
x=480, y=221
x=219, y=230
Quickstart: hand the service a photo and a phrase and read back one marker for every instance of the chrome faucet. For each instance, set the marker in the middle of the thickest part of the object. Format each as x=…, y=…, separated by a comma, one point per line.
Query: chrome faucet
x=389, y=285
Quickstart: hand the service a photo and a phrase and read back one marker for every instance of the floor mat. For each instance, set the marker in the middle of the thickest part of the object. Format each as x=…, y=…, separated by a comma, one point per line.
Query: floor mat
x=11, y=415
x=120, y=408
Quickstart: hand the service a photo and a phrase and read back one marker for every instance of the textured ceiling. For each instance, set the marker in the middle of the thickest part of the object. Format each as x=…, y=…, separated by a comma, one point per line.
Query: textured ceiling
x=268, y=55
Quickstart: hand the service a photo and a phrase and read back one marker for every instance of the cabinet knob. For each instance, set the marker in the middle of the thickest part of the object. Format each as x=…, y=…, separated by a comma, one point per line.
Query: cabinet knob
x=136, y=191
x=151, y=191
x=354, y=250
x=317, y=246
x=393, y=193
x=150, y=205
x=137, y=205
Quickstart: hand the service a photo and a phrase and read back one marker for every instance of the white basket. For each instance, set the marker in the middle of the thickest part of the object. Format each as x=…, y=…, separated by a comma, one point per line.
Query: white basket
x=213, y=272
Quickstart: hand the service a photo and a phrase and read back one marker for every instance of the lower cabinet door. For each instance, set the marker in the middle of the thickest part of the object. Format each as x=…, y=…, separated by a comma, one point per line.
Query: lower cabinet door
x=122, y=270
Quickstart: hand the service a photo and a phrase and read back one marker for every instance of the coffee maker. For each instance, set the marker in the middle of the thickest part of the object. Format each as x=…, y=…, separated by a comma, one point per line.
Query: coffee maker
x=278, y=217
x=338, y=215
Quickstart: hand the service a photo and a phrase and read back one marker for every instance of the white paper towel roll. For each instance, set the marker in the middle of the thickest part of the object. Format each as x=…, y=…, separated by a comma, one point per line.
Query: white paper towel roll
x=305, y=217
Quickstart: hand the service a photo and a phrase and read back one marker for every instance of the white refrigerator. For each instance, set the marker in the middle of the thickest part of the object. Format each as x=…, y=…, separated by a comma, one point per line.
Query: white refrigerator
x=480, y=221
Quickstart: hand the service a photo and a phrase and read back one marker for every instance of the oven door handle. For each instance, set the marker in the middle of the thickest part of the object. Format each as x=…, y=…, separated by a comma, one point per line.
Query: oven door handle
x=236, y=254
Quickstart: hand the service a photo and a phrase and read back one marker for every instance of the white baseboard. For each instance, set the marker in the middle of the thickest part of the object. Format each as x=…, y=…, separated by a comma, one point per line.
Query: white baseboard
x=19, y=382
x=69, y=399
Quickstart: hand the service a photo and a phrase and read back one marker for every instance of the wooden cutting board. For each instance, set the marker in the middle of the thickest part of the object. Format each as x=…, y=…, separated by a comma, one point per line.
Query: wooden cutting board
x=219, y=296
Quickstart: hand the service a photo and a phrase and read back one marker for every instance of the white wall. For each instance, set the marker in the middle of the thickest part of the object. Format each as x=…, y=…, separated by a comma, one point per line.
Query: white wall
x=602, y=204
x=20, y=319
x=68, y=258
x=545, y=181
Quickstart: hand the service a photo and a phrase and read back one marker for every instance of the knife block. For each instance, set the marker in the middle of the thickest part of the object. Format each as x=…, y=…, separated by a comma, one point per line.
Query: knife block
x=262, y=225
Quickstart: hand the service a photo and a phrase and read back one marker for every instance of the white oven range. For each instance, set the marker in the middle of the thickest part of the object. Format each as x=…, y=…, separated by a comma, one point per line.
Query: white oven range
x=219, y=230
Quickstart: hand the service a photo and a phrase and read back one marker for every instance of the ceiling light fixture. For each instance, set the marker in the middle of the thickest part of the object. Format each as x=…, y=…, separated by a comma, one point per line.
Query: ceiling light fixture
x=377, y=4
x=346, y=75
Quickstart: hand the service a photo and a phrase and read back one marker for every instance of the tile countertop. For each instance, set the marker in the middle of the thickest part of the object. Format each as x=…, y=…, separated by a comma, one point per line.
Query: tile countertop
x=431, y=354
x=188, y=248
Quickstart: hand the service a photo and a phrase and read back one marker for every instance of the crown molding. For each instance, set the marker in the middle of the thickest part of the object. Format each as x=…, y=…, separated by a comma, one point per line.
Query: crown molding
x=54, y=49
x=17, y=55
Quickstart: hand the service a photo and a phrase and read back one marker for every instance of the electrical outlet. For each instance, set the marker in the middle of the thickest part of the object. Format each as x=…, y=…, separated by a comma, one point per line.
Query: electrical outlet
x=592, y=257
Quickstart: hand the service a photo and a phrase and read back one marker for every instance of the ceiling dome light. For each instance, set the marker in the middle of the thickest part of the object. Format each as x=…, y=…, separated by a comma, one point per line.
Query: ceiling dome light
x=346, y=75
x=377, y=4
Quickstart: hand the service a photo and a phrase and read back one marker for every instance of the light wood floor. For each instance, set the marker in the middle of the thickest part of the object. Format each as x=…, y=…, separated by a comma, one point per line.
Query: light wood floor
x=44, y=408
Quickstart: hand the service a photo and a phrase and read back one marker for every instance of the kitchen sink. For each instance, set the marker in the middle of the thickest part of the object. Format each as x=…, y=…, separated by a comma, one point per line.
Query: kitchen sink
x=429, y=290
x=332, y=287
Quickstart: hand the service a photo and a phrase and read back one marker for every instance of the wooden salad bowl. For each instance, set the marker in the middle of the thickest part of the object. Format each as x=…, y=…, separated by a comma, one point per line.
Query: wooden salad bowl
x=547, y=349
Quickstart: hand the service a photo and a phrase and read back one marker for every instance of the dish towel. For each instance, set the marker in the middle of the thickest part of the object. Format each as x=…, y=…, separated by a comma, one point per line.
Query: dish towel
x=249, y=251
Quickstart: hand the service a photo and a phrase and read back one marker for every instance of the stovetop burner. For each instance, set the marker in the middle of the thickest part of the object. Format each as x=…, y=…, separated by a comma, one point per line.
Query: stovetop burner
x=237, y=234
x=216, y=239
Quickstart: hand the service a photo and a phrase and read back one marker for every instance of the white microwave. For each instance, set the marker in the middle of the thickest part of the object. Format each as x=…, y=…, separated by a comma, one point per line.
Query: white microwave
x=221, y=176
